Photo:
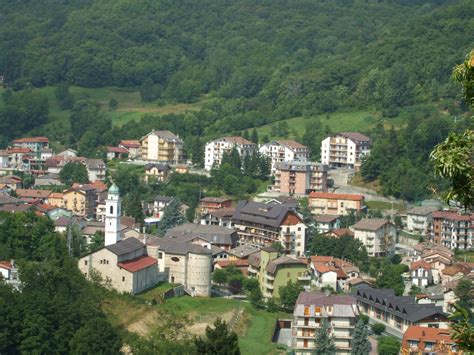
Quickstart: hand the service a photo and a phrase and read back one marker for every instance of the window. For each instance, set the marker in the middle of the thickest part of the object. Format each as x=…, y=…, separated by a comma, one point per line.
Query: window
x=413, y=343
x=85, y=262
x=299, y=229
x=160, y=255
x=111, y=209
x=306, y=312
x=123, y=278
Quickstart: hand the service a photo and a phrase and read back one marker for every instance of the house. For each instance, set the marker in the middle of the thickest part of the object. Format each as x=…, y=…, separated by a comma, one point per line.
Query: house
x=335, y=204
x=222, y=217
x=419, y=220
x=377, y=234
x=283, y=151
x=35, y=144
x=96, y=169
x=420, y=272
x=133, y=148
x=339, y=233
x=181, y=169
x=428, y=341
x=211, y=204
x=273, y=271
x=345, y=150
x=215, y=150
x=454, y=272
x=116, y=153
x=326, y=223
x=239, y=264
x=397, y=313
x=183, y=263
x=4, y=159
x=80, y=200
x=9, y=273
x=242, y=252
x=68, y=153
x=18, y=158
x=300, y=178
x=125, y=264
x=260, y=224
x=311, y=309
x=162, y=146
x=33, y=196
x=453, y=230
x=328, y=271
x=221, y=237
x=159, y=204
x=48, y=180
x=158, y=171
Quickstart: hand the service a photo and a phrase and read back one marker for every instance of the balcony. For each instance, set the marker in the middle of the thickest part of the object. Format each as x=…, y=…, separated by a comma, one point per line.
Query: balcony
x=269, y=277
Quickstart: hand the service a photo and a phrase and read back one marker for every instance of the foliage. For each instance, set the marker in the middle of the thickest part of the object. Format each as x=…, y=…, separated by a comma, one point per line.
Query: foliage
x=172, y=216
x=133, y=208
x=74, y=172
x=464, y=74
x=463, y=329
x=414, y=290
x=96, y=337
x=325, y=344
x=390, y=276
x=289, y=294
x=378, y=328
x=255, y=297
x=360, y=343
x=464, y=292
x=364, y=318
x=219, y=340
x=388, y=346
x=231, y=276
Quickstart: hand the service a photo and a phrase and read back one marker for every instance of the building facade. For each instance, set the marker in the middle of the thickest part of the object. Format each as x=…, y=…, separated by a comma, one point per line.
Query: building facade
x=300, y=178
x=284, y=151
x=80, y=200
x=453, y=230
x=335, y=204
x=419, y=220
x=345, y=150
x=162, y=146
x=262, y=224
x=377, y=234
x=424, y=340
x=215, y=150
x=35, y=144
x=160, y=172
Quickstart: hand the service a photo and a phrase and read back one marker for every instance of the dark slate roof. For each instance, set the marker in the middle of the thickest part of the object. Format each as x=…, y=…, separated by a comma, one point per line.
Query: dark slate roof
x=211, y=234
x=260, y=213
x=7, y=200
x=254, y=259
x=180, y=248
x=243, y=251
x=404, y=307
x=160, y=198
x=126, y=246
x=281, y=261
x=162, y=167
x=320, y=299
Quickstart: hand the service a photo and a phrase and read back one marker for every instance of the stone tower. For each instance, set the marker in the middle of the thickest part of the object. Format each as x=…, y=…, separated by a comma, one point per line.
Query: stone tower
x=113, y=210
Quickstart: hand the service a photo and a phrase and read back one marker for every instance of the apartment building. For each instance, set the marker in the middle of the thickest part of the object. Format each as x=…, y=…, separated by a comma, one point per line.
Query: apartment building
x=216, y=149
x=211, y=204
x=333, y=272
x=162, y=146
x=326, y=223
x=419, y=220
x=397, y=313
x=311, y=309
x=424, y=340
x=300, y=178
x=284, y=150
x=35, y=144
x=421, y=274
x=345, y=150
x=262, y=224
x=273, y=271
x=453, y=230
x=377, y=234
x=335, y=204
x=81, y=200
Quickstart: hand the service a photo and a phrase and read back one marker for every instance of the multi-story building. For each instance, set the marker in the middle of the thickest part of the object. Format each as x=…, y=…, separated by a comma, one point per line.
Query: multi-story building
x=377, y=234
x=453, y=230
x=345, y=150
x=81, y=200
x=216, y=149
x=397, y=313
x=274, y=272
x=312, y=309
x=421, y=274
x=35, y=144
x=333, y=272
x=19, y=158
x=419, y=220
x=262, y=224
x=133, y=147
x=162, y=146
x=300, y=178
x=211, y=204
x=424, y=340
x=326, y=223
x=283, y=151
x=335, y=204
x=221, y=217
x=96, y=169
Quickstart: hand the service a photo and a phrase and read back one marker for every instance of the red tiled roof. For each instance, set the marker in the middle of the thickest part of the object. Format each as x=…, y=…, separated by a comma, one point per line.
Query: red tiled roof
x=342, y=232
x=32, y=140
x=18, y=150
x=452, y=215
x=321, y=259
x=292, y=144
x=137, y=264
x=420, y=264
x=99, y=185
x=30, y=193
x=426, y=334
x=131, y=143
x=117, y=150
x=5, y=264
x=321, y=268
x=331, y=196
x=235, y=139
x=239, y=263
x=58, y=195
x=455, y=269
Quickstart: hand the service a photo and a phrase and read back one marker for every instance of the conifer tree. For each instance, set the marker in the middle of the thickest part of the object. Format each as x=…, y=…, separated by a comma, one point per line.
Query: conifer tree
x=219, y=340
x=324, y=341
x=254, y=137
x=360, y=343
x=172, y=216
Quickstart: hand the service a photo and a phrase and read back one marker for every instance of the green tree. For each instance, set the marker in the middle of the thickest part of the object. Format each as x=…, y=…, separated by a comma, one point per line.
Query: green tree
x=64, y=96
x=219, y=276
x=388, y=346
x=360, y=343
x=378, y=328
x=255, y=297
x=172, y=216
x=74, y=172
x=463, y=329
x=133, y=208
x=113, y=104
x=219, y=340
x=325, y=344
x=96, y=336
x=464, y=291
x=289, y=294
x=254, y=138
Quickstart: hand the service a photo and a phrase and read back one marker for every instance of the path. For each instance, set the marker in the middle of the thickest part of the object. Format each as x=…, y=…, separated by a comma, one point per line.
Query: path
x=373, y=345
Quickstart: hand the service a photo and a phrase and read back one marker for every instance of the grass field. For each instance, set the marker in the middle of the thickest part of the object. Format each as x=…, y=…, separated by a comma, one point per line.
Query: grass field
x=469, y=256
x=381, y=205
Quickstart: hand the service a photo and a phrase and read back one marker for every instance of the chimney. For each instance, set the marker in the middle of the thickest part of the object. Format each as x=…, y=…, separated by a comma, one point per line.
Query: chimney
x=144, y=235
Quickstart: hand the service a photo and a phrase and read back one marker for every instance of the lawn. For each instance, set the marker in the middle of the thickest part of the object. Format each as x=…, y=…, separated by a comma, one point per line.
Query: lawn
x=465, y=256
x=381, y=205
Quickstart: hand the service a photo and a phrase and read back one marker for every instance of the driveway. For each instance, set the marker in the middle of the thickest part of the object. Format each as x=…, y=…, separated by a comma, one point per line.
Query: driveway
x=373, y=345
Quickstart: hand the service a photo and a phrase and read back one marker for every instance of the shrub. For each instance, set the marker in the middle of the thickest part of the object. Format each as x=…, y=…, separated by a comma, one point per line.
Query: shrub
x=364, y=318
x=378, y=328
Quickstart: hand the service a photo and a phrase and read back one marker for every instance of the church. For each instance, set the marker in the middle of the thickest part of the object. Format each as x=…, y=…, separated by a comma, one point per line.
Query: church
x=123, y=264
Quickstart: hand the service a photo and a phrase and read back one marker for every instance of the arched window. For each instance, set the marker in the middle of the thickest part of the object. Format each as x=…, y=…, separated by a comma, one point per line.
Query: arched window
x=111, y=209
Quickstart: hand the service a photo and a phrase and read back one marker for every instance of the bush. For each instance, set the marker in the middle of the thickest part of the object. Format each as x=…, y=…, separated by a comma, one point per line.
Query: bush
x=364, y=318
x=378, y=328
x=388, y=346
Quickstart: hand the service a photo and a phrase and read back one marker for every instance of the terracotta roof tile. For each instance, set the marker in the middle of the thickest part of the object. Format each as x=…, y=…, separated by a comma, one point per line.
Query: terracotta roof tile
x=331, y=196
x=137, y=264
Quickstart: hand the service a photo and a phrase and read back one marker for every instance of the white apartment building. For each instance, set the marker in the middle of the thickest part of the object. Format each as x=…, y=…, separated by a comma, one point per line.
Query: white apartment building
x=419, y=220
x=216, y=149
x=311, y=309
x=345, y=150
x=283, y=151
x=377, y=234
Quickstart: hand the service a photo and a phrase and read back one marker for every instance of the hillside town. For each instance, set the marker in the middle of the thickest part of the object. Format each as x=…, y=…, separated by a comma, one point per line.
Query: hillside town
x=270, y=239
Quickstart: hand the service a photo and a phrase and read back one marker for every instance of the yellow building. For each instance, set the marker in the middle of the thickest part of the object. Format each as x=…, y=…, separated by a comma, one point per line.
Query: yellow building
x=56, y=199
x=80, y=200
x=162, y=146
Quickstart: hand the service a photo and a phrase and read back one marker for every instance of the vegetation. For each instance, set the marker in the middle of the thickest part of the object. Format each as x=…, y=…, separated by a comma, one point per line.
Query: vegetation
x=325, y=344
x=289, y=294
x=74, y=172
x=463, y=328
x=360, y=343
x=172, y=216
x=218, y=341
x=388, y=346
x=378, y=328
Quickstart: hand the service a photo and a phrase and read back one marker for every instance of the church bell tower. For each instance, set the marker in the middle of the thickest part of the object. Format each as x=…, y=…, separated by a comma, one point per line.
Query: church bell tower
x=113, y=210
